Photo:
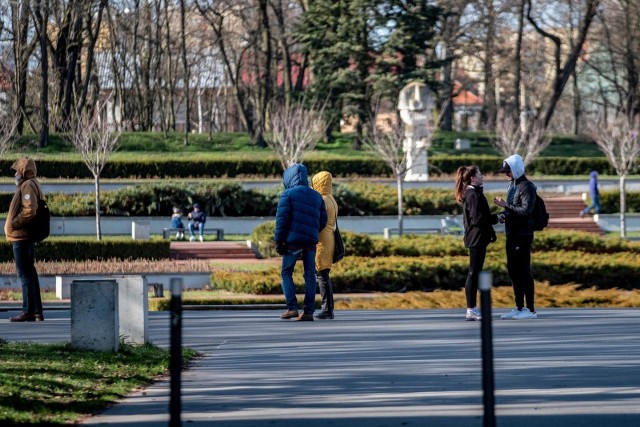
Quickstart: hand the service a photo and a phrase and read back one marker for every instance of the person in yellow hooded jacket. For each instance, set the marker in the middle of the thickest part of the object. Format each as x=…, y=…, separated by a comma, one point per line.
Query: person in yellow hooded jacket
x=322, y=183
x=22, y=210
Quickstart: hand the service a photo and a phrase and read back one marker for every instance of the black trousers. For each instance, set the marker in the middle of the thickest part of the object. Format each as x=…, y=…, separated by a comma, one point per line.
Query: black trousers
x=519, y=270
x=477, y=255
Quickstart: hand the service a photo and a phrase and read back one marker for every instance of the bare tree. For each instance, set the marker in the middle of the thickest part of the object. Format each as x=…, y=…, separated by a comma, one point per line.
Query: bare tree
x=563, y=66
x=618, y=137
x=388, y=142
x=8, y=127
x=527, y=139
x=294, y=130
x=93, y=138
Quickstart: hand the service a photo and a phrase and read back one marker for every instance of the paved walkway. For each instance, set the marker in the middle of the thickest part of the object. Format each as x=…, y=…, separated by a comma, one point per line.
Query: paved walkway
x=571, y=367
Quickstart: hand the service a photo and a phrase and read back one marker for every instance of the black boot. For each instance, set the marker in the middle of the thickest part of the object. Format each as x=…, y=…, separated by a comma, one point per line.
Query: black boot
x=326, y=294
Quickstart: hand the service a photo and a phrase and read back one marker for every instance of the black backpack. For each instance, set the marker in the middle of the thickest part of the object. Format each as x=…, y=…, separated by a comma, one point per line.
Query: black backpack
x=40, y=225
x=540, y=216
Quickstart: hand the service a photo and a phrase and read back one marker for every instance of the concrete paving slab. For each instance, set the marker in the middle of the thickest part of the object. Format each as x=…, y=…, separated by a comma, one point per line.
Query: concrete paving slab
x=570, y=367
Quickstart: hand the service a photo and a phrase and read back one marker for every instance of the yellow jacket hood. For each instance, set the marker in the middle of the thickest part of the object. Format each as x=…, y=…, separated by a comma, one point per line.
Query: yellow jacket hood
x=322, y=182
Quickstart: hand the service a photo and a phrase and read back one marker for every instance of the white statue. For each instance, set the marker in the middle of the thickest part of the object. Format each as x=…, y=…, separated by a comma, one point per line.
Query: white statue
x=416, y=104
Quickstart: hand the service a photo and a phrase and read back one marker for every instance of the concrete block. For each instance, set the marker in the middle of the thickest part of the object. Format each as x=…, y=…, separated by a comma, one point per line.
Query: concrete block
x=140, y=230
x=133, y=309
x=94, y=315
x=63, y=287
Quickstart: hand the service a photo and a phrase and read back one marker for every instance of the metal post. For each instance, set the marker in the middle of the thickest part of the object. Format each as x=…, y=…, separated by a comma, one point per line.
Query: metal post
x=175, y=363
x=484, y=283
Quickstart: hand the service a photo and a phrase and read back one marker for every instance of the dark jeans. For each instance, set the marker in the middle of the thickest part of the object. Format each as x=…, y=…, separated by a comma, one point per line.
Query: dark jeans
x=595, y=205
x=288, y=288
x=519, y=269
x=477, y=255
x=24, y=255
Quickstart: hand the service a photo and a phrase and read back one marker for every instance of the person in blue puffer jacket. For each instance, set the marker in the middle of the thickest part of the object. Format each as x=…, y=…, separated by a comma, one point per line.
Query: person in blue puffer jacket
x=300, y=216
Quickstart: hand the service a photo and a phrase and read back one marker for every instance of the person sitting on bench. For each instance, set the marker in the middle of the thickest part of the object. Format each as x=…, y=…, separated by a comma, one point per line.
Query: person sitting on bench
x=197, y=220
x=176, y=222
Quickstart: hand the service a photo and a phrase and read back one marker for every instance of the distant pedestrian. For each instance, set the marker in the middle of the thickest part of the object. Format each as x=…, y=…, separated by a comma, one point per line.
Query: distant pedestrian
x=322, y=182
x=22, y=211
x=197, y=219
x=594, y=192
x=521, y=197
x=300, y=216
x=478, y=229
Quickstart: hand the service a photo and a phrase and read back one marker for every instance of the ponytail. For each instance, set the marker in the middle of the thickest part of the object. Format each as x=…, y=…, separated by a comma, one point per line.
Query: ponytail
x=463, y=179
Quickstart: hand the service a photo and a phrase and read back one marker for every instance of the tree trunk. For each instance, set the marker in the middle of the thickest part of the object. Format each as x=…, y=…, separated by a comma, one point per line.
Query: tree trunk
x=489, y=106
x=623, y=206
x=98, y=228
x=399, y=179
x=518, y=65
x=577, y=104
x=42, y=14
x=187, y=77
x=446, y=122
x=21, y=52
x=265, y=88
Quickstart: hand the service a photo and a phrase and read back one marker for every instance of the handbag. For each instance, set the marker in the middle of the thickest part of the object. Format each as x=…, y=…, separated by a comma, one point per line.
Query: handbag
x=338, y=251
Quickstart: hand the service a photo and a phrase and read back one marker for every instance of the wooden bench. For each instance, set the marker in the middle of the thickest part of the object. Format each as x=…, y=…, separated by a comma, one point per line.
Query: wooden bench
x=168, y=231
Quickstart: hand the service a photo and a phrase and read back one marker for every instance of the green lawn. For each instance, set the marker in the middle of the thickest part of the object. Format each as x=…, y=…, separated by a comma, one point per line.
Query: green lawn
x=57, y=384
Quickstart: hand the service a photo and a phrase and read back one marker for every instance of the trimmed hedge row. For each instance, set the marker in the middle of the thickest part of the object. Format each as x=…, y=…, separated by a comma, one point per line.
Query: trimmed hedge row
x=268, y=166
x=54, y=249
x=399, y=274
x=361, y=245
x=232, y=199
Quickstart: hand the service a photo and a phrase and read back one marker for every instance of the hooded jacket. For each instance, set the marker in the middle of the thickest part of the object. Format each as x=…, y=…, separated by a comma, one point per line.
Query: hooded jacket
x=593, y=184
x=521, y=196
x=301, y=213
x=24, y=203
x=322, y=183
x=478, y=219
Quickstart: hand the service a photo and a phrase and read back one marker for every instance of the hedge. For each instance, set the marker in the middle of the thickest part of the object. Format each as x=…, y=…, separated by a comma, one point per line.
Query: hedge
x=235, y=166
x=224, y=198
x=399, y=274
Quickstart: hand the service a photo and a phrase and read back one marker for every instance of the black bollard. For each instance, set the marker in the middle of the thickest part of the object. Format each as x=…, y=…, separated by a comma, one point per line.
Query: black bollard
x=175, y=363
x=484, y=283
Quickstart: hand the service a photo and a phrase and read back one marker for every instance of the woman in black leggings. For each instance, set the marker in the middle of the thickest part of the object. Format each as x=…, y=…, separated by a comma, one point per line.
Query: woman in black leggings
x=478, y=229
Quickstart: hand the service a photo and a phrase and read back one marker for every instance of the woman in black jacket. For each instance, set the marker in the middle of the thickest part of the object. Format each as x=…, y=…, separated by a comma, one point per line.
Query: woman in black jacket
x=478, y=229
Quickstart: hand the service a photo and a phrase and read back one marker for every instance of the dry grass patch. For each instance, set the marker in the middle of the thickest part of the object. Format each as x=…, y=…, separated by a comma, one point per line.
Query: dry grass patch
x=114, y=266
x=570, y=295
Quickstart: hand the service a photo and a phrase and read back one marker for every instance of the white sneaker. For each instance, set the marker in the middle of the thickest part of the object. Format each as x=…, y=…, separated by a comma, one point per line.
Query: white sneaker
x=473, y=314
x=511, y=315
x=178, y=236
x=526, y=314
x=201, y=239
x=192, y=238
x=181, y=236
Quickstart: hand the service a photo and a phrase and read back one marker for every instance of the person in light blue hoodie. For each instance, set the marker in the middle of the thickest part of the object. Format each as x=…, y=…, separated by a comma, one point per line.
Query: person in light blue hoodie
x=300, y=216
x=521, y=198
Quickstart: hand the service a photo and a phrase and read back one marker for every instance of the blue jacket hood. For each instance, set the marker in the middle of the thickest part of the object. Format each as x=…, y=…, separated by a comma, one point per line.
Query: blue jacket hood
x=593, y=174
x=295, y=175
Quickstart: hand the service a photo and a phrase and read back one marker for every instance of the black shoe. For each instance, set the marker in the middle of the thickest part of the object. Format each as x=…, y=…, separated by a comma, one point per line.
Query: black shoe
x=23, y=317
x=324, y=315
x=39, y=317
